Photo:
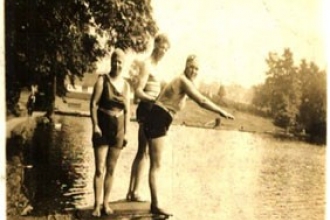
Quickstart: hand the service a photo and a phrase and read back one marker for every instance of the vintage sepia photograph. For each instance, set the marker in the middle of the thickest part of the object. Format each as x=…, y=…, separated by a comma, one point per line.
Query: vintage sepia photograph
x=152, y=110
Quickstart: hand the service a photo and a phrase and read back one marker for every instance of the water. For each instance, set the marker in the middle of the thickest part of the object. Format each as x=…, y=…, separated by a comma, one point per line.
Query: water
x=207, y=174
x=235, y=175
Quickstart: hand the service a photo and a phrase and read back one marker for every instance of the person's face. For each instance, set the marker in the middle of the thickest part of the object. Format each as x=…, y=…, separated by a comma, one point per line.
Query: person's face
x=160, y=49
x=117, y=63
x=191, y=70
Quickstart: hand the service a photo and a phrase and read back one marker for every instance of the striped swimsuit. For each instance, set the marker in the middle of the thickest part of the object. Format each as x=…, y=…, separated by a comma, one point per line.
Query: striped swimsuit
x=152, y=88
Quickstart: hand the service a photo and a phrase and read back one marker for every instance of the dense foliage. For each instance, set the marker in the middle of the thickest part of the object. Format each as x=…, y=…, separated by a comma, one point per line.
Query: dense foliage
x=49, y=40
x=295, y=96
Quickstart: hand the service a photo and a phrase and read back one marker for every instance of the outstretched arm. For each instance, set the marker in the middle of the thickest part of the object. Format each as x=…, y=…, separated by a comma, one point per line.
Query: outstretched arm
x=193, y=93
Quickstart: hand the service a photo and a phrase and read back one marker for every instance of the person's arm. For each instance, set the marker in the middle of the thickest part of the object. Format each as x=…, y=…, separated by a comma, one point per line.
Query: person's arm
x=142, y=80
x=127, y=106
x=193, y=93
x=96, y=95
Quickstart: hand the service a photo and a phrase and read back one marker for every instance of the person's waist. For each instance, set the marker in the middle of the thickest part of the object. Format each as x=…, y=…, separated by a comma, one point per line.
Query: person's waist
x=144, y=102
x=112, y=112
x=165, y=108
x=114, y=103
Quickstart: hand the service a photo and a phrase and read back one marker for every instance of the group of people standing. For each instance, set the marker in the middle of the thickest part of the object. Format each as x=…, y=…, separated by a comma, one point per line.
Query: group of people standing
x=110, y=115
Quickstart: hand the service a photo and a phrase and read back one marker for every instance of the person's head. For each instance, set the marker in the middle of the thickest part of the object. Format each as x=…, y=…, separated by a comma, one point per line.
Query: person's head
x=192, y=67
x=117, y=62
x=161, y=45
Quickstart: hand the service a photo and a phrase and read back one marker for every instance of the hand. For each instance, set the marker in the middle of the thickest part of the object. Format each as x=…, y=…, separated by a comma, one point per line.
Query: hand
x=229, y=116
x=125, y=142
x=97, y=131
x=97, y=138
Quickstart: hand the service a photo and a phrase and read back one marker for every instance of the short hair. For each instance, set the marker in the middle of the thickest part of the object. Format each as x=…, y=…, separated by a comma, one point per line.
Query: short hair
x=118, y=52
x=162, y=39
x=191, y=58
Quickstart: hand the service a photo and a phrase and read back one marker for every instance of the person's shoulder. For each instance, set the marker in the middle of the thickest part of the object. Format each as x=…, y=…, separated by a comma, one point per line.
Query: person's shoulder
x=177, y=81
x=100, y=78
x=143, y=68
x=126, y=83
x=185, y=82
x=182, y=78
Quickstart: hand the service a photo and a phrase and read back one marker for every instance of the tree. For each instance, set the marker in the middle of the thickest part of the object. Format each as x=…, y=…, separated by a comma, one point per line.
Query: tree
x=283, y=89
x=50, y=40
x=126, y=24
x=261, y=96
x=312, y=115
x=296, y=96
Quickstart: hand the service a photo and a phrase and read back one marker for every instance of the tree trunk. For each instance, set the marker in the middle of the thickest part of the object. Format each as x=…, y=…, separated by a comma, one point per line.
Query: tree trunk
x=51, y=106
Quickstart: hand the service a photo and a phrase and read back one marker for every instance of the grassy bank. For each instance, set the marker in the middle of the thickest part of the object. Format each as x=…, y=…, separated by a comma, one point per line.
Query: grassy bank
x=193, y=115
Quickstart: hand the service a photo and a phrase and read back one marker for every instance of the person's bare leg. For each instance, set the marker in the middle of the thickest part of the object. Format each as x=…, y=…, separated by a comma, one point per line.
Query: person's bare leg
x=100, y=154
x=111, y=162
x=156, y=148
x=138, y=166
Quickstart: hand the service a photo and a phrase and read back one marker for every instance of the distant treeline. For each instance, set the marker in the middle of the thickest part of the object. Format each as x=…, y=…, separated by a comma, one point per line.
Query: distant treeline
x=294, y=97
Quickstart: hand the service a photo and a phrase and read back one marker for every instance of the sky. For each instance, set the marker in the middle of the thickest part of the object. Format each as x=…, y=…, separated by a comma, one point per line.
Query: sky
x=233, y=38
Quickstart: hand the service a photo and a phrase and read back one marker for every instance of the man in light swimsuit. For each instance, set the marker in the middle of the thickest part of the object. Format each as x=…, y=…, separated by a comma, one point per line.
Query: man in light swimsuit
x=147, y=91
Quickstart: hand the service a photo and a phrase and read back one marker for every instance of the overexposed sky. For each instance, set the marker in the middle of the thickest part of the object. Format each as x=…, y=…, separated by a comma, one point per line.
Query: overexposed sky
x=233, y=38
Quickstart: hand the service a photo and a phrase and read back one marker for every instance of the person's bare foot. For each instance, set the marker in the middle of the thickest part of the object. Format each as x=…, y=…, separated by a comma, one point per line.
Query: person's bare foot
x=133, y=197
x=107, y=209
x=97, y=211
x=159, y=211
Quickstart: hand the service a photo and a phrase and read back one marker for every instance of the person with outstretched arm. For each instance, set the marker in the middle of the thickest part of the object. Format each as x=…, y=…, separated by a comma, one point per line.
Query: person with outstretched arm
x=171, y=100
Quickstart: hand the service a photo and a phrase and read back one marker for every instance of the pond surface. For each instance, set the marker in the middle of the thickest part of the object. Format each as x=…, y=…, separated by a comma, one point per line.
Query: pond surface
x=207, y=174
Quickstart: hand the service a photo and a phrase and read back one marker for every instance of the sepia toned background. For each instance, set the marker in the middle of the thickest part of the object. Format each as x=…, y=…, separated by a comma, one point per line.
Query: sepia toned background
x=226, y=173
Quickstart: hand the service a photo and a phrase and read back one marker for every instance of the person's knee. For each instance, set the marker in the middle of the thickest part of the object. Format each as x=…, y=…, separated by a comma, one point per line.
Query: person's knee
x=111, y=167
x=110, y=170
x=141, y=155
x=99, y=172
x=145, y=155
x=156, y=165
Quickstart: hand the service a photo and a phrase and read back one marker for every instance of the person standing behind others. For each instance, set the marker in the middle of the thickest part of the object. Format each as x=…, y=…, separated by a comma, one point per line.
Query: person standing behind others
x=147, y=90
x=171, y=100
x=109, y=107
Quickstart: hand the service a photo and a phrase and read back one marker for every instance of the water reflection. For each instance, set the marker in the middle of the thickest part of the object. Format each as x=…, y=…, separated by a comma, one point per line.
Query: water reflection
x=62, y=162
x=208, y=174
